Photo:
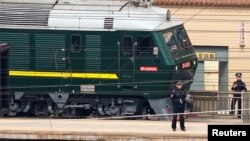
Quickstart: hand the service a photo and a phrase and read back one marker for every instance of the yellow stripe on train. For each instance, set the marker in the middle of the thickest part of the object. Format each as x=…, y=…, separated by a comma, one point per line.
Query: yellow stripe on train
x=64, y=74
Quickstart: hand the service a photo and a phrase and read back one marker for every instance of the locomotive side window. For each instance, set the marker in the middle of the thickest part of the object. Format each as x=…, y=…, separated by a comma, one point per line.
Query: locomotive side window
x=145, y=45
x=127, y=44
x=75, y=43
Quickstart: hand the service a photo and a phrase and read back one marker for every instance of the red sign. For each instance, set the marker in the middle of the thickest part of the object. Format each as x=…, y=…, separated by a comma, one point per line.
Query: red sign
x=186, y=65
x=147, y=68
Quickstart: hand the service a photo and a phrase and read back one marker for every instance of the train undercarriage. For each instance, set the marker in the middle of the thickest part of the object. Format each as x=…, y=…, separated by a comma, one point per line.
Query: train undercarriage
x=76, y=105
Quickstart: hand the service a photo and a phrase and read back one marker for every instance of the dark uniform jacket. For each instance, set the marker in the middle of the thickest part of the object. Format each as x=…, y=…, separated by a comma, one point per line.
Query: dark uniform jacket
x=240, y=87
x=178, y=97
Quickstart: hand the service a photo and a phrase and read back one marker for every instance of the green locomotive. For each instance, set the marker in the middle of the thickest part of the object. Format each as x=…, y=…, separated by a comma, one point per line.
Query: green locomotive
x=83, y=58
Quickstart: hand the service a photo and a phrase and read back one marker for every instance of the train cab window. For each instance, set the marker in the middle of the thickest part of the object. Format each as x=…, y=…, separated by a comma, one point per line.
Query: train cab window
x=75, y=43
x=170, y=40
x=182, y=37
x=144, y=45
x=127, y=44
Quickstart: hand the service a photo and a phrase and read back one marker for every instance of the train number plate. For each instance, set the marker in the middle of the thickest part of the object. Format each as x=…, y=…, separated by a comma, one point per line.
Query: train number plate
x=87, y=89
x=148, y=68
x=186, y=65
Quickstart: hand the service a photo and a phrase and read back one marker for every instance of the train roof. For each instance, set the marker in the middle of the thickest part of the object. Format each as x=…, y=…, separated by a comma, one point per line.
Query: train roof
x=83, y=15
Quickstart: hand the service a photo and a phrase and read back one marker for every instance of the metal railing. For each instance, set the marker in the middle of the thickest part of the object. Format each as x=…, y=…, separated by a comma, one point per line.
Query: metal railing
x=218, y=105
x=246, y=105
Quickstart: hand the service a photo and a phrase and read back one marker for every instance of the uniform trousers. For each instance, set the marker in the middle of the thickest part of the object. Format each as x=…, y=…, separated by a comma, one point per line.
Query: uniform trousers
x=177, y=110
x=234, y=100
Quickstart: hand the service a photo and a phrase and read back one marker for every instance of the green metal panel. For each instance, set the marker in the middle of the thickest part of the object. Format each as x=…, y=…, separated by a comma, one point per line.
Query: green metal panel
x=93, y=53
x=20, y=51
x=50, y=51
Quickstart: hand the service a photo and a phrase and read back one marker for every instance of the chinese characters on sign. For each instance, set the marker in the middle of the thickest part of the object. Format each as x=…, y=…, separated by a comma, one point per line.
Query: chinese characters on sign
x=206, y=55
x=242, y=34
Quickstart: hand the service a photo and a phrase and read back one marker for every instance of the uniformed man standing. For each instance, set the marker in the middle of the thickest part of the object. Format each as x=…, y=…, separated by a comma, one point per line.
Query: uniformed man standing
x=178, y=97
x=238, y=86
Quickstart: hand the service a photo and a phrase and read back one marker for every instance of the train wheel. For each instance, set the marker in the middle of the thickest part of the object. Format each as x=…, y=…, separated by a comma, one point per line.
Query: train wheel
x=144, y=112
x=40, y=109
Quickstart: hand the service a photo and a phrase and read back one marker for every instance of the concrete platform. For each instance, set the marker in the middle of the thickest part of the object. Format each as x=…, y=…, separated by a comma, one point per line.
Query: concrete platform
x=104, y=130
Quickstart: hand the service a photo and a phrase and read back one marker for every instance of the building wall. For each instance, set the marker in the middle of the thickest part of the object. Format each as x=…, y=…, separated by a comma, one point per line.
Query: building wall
x=211, y=74
x=220, y=26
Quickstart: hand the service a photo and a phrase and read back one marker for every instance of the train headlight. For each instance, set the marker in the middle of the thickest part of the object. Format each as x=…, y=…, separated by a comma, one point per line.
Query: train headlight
x=194, y=62
x=176, y=68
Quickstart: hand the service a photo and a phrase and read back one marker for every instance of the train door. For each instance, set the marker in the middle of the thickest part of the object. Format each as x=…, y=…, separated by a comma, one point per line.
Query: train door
x=126, y=57
x=75, y=59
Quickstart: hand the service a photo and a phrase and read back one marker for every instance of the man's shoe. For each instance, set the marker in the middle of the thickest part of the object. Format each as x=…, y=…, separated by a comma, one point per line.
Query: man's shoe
x=239, y=117
x=183, y=129
x=174, y=129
